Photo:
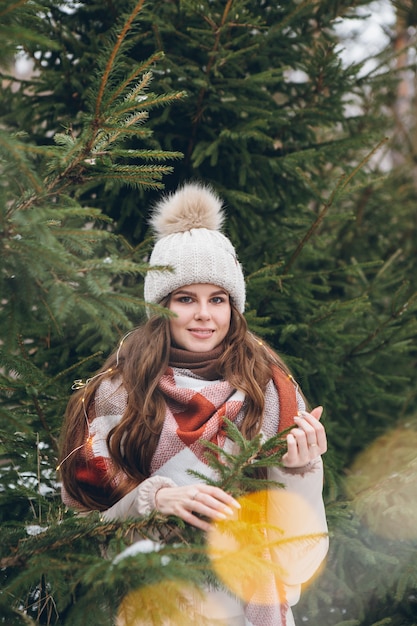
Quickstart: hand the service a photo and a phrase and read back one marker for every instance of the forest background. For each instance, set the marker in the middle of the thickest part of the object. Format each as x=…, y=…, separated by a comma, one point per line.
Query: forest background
x=314, y=155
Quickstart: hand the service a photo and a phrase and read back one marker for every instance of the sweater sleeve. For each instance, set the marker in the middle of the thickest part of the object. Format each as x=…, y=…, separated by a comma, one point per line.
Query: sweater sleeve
x=298, y=513
x=139, y=501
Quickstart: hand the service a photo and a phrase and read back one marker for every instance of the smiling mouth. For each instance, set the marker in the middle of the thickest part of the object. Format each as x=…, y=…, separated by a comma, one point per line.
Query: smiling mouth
x=201, y=331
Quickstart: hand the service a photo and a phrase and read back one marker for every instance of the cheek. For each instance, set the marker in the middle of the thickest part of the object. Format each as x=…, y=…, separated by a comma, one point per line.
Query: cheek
x=174, y=332
x=173, y=325
x=225, y=321
x=176, y=324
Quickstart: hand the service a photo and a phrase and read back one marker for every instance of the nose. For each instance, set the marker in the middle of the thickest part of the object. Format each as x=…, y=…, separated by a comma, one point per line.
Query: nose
x=202, y=312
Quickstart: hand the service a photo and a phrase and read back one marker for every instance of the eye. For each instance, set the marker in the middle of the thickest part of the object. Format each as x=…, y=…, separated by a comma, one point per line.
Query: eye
x=218, y=299
x=184, y=299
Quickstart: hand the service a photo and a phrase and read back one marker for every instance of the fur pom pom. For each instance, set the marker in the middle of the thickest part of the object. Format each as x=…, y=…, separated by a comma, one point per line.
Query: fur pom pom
x=191, y=206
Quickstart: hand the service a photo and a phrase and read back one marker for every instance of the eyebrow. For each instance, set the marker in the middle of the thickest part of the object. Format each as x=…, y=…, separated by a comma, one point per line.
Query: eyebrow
x=193, y=293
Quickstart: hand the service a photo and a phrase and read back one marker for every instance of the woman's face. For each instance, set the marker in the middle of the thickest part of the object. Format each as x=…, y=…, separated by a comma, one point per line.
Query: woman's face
x=203, y=316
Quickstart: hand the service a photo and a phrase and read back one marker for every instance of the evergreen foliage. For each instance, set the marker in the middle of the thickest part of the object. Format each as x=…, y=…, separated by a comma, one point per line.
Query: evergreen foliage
x=126, y=99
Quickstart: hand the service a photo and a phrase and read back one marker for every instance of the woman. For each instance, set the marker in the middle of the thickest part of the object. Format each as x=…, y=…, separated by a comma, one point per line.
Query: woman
x=133, y=433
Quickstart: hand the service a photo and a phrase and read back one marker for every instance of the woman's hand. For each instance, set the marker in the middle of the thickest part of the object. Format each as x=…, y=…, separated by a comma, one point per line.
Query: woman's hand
x=187, y=501
x=307, y=441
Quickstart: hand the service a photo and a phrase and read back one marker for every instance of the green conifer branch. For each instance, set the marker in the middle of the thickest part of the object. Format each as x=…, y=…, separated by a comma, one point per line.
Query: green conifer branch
x=141, y=69
x=16, y=151
x=338, y=189
x=238, y=473
x=110, y=63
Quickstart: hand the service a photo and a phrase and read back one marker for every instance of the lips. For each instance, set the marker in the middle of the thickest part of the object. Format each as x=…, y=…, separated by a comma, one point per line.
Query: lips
x=201, y=332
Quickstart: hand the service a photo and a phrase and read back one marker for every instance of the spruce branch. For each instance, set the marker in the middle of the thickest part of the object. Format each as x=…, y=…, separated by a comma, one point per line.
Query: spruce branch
x=396, y=313
x=110, y=63
x=343, y=182
x=35, y=400
x=12, y=7
x=79, y=161
x=238, y=472
x=68, y=532
x=16, y=150
x=217, y=29
x=141, y=69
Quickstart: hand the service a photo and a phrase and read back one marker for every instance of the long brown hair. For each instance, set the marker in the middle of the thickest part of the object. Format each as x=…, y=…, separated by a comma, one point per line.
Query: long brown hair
x=141, y=360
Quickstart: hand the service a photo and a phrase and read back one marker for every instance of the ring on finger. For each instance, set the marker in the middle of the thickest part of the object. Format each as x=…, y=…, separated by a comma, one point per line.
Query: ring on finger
x=312, y=445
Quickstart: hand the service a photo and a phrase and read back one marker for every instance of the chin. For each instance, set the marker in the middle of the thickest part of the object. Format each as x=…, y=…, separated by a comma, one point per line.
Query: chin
x=201, y=348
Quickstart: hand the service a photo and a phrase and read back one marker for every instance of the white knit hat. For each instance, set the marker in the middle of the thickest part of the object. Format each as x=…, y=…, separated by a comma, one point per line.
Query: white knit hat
x=187, y=226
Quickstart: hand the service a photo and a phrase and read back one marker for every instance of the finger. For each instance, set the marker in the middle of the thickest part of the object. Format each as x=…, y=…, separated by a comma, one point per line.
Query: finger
x=206, y=505
x=303, y=444
x=319, y=435
x=297, y=453
x=193, y=520
x=219, y=495
x=322, y=440
x=307, y=428
x=291, y=454
x=198, y=514
x=314, y=413
x=317, y=412
x=314, y=451
x=316, y=445
x=314, y=416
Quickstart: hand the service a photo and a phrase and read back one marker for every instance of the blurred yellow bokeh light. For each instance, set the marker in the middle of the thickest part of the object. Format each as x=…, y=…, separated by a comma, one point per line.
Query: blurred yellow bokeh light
x=383, y=487
x=263, y=548
x=167, y=603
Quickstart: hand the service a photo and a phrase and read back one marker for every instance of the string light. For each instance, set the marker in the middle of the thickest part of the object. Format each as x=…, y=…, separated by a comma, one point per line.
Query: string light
x=294, y=382
x=70, y=454
x=120, y=345
x=80, y=384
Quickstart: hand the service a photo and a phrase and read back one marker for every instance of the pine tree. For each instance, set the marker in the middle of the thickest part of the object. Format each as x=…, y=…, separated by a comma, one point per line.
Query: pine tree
x=292, y=140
